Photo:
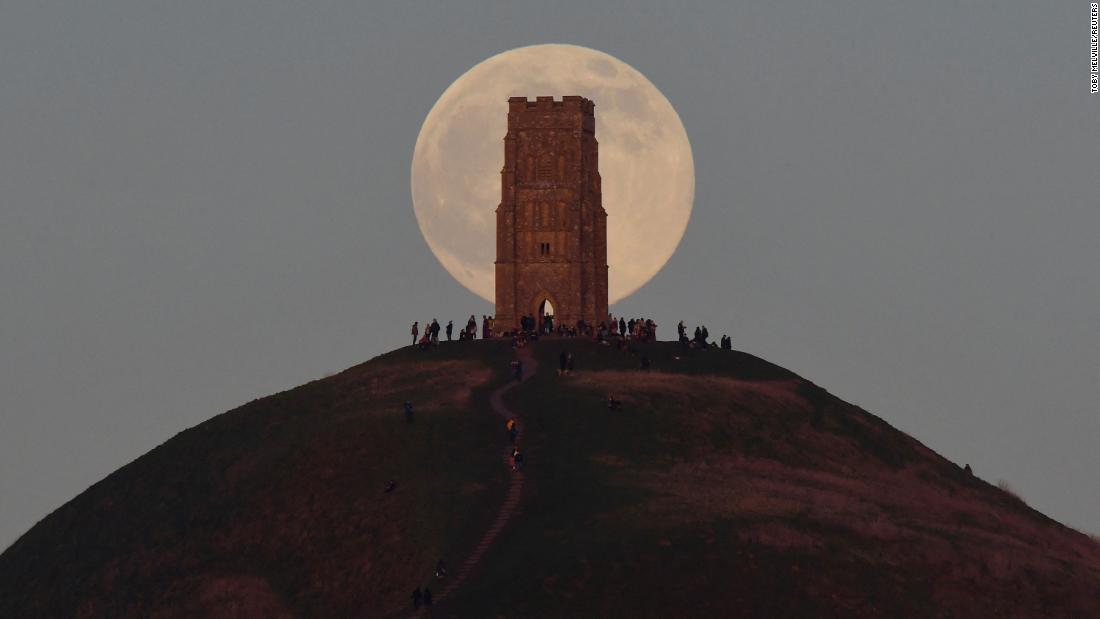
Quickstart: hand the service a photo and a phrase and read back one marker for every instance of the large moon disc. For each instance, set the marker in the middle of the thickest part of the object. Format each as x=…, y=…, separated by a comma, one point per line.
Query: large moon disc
x=644, y=158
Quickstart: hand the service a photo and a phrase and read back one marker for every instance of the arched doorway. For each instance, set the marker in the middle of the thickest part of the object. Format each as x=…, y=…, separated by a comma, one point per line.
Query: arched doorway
x=546, y=316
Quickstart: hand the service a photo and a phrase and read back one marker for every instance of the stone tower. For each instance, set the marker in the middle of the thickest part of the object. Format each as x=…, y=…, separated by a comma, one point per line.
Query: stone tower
x=551, y=226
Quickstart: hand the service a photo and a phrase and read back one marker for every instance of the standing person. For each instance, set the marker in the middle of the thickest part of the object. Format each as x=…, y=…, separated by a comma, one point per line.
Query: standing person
x=417, y=598
x=511, y=425
x=561, y=363
x=471, y=327
x=450, y=327
x=415, y=331
x=408, y=412
x=427, y=597
x=435, y=331
x=622, y=326
x=680, y=331
x=569, y=363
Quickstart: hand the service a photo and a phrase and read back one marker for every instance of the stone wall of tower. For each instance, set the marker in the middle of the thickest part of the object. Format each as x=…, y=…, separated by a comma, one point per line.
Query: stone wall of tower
x=551, y=225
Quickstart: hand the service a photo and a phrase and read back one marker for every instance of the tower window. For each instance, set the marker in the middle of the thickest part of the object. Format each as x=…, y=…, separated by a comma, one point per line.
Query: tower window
x=544, y=249
x=545, y=171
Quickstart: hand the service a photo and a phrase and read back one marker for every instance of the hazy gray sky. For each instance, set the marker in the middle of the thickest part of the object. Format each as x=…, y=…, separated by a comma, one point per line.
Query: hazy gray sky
x=206, y=202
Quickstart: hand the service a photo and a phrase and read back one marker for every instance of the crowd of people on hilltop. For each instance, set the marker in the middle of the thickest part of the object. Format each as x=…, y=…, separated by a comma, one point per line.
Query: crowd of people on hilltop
x=430, y=335
x=700, y=337
x=532, y=327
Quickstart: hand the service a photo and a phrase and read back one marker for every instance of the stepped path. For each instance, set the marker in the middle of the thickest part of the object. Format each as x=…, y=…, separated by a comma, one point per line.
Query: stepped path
x=515, y=484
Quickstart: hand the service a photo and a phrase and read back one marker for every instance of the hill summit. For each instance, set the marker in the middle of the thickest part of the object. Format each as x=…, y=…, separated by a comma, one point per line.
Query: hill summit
x=721, y=484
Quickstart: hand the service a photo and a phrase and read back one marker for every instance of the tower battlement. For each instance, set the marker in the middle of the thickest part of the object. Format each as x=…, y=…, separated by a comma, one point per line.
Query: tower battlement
x=568, y=102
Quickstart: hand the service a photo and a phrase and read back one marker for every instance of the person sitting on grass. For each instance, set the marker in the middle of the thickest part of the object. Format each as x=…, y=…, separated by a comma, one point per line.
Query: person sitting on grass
x=612, y=403
x=391, y=485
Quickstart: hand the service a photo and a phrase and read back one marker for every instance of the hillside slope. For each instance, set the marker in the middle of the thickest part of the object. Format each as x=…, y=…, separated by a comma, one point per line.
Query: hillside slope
x=724, y=483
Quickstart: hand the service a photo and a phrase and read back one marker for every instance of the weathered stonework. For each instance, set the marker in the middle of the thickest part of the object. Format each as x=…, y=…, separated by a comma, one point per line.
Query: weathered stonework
x=551, y=225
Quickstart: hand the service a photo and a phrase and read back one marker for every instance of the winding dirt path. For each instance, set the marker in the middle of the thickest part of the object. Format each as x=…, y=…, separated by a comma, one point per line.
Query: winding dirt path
x=515, y=483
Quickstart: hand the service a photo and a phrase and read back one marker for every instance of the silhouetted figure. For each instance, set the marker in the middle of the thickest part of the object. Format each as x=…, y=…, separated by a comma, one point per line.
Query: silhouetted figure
x=569, y=363
x=440, y=569
x=612, y=403
x=517, y=459
x=417, y=598
x=645, y=362
x=391, y=485
x=561, y=363
x=415, y=331
x=427, y=597
x=969, y=471
x=408, y=412
x=518, y=366
x=512, y=430
x=622, y=326
x=450, y=327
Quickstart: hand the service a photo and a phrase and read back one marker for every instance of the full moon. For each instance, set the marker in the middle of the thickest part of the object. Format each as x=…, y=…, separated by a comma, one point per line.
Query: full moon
x=648, y=175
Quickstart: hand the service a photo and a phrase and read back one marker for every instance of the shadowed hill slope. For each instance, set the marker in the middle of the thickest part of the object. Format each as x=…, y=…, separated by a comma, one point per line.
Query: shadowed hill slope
x=277, y=508
x=724, y=484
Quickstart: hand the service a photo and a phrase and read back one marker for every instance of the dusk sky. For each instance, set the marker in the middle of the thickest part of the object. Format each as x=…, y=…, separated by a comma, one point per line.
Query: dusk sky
x=202, y=203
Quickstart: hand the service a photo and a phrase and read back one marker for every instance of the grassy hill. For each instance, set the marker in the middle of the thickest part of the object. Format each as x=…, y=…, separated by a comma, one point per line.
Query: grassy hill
x=725, y=485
